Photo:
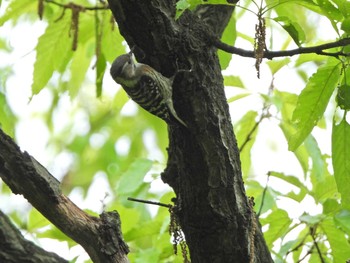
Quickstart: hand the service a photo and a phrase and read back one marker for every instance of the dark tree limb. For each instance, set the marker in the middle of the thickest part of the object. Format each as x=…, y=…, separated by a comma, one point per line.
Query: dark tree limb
x=203, y=164
x=15, y=248
x=100, y=237
x=319, y=50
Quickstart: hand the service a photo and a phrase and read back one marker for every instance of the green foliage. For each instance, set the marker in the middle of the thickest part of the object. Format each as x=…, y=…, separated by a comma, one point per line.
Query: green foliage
x=341, y=162
x=128, y=148
x=313, y=101
x=293, y=29
x=51, y=53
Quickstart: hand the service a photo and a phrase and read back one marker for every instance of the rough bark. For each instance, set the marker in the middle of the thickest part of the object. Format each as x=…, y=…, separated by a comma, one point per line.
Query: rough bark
x=15, y=248
x=203, y=165
x=100, y=237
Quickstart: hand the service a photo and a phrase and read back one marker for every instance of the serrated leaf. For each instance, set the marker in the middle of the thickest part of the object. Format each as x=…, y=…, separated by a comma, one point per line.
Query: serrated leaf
x=313, y=100
x=133, y=177
x=51, y=52
x=341, y=160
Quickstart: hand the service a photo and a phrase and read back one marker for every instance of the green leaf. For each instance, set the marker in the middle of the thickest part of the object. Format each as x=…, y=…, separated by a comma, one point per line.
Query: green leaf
x=343, y=97
x=5, y=45
x=327, y=188
x=101, y=65
x=342, y=219
x=330, y=206
x=237, y=97
x=341, y=160
x=337, y=240
x=279, y=223
x=79, y=66
x=182, y=5
x=7, y=118
x=18, y=8
x=305, y=3
x=36, y=220
x=285, y=102
x=148, y=255
x=233, y=81
x=51, y=52
x=311, y=220
x=293, y=28
x=145, y=229
x=111, y=42
x=319, y=165
x=288, y=178
x=331, y=12
x=243, y=130
x=345, y=25
x=313, y=100
x=229, y=36
x=276, y=65
x=133, y=177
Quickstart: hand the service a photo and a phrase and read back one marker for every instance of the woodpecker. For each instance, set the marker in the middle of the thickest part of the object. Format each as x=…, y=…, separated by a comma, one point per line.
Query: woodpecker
x=146, y=86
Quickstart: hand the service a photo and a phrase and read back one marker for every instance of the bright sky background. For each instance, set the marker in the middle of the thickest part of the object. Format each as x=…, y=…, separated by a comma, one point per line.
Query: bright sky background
x=33, y=136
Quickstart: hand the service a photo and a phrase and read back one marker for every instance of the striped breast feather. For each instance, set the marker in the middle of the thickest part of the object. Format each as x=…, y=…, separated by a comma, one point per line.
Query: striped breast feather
x=148, y=94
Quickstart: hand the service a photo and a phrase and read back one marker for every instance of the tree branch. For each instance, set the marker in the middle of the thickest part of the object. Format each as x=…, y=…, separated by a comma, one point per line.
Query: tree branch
x=100, y=237
x=15, y=248
x=71, y=5
x=320, y=50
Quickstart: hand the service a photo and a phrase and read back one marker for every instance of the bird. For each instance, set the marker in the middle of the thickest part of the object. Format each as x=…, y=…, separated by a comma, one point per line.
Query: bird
x=147, y=87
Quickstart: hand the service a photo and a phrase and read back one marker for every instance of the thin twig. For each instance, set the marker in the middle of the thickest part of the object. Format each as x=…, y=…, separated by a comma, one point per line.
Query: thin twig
x=285, y=53
x=69, y=5
x=312, y=232
x=149, y=202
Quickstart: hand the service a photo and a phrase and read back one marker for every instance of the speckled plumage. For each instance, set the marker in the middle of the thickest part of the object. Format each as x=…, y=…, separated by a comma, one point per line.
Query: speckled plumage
x=146, y=86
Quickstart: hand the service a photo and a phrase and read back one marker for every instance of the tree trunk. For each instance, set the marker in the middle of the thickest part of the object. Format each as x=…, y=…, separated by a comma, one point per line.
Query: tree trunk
x=100, y=236
x=203, y=166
